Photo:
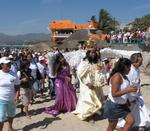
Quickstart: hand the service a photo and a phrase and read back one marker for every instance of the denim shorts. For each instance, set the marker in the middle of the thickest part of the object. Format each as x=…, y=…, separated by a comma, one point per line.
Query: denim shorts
x=114, y=111
x=7, y=109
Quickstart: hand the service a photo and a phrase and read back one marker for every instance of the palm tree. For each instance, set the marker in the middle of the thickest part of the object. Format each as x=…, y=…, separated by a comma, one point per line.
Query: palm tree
x=106, y=23
x=93, y=18
x=141, y=23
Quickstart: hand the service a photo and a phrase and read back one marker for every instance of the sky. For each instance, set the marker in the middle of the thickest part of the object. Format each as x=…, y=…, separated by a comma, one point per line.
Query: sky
x=33, y=16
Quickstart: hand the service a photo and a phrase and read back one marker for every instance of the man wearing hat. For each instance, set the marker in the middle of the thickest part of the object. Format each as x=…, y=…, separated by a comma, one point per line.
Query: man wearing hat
x=41, y=68
x=8, y=89
x=14, y=67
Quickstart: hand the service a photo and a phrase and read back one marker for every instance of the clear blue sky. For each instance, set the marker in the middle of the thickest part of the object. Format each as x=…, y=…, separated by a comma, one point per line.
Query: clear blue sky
x=33, y=16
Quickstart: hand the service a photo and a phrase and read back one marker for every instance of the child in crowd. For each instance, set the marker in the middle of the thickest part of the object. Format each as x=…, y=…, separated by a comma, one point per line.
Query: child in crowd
x=25, y=86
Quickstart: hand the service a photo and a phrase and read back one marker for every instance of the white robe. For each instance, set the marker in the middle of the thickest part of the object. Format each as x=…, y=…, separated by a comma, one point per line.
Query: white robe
x=138, y=108
x=89, y=101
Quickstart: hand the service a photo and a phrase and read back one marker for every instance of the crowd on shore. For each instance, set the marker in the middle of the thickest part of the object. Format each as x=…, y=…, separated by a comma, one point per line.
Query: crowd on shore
x=141, y=37
x=25, y=73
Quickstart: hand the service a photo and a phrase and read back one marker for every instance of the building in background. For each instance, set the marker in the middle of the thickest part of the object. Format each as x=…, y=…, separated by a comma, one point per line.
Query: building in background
x=62, y=29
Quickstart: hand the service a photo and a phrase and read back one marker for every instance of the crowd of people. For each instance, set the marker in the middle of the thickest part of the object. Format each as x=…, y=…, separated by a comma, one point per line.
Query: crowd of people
x=130, y=37
x=25, y=73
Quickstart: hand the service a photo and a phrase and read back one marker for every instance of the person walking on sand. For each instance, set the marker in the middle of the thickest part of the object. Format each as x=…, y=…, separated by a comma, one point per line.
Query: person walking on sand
x=116, y=104
x=91, y=81
x=25, y=86
x=138, y=108
x=65, y=100
x=9, y=86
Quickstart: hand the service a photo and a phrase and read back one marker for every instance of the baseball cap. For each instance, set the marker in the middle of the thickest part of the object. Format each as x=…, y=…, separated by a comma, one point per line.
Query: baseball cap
x=10, y=57
x=4, y=60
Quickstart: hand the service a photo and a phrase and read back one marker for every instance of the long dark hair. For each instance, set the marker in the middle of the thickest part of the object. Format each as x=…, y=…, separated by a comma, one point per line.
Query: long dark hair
x=88, y=57
x=24, y=64
x=120, y=66
x=58, y=56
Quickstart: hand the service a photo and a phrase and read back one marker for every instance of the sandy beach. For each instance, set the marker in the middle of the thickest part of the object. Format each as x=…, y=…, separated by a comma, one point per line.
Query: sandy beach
x=65, y=122
x=41, y=121
x=63, y=48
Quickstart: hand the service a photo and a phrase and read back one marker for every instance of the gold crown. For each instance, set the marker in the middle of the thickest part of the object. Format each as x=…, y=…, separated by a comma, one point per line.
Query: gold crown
x=91, y=44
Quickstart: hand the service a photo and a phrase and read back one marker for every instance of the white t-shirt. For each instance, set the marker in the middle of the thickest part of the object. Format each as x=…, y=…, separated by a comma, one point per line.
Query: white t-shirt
x=41, y=68
x=134, y=78
x=33, y=68
x=7, y=82
x=14, y=68
x=134, y=75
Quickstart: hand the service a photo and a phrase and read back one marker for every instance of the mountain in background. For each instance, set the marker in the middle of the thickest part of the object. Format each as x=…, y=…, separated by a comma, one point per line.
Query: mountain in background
x=28, y=37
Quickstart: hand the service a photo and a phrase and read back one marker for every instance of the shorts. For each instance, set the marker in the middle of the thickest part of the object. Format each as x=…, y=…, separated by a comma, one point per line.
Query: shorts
x=7, y=109
x=114, y=111
x=25, y=94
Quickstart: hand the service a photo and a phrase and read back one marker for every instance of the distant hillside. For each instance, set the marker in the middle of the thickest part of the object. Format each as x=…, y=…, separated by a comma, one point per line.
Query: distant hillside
x=29, y=37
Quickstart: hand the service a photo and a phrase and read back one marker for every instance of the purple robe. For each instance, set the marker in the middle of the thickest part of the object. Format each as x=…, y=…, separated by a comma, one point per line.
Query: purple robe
x=65, y=93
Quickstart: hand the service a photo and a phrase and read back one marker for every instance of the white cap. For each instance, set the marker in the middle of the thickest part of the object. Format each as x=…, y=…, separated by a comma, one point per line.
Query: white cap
x=10, y=57
x=4, y=60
